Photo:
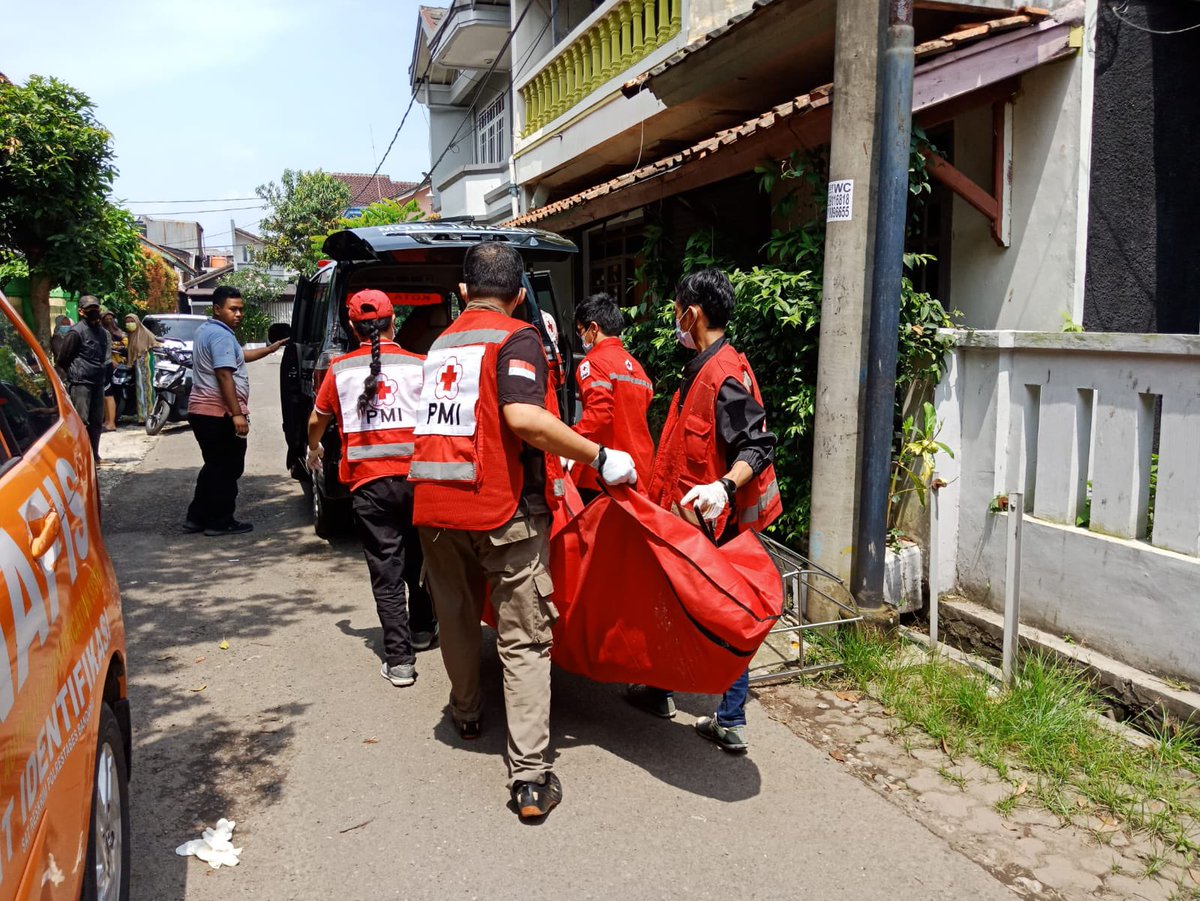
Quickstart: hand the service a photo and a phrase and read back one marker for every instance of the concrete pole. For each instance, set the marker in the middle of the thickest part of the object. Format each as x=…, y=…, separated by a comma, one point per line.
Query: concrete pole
x=845, y=306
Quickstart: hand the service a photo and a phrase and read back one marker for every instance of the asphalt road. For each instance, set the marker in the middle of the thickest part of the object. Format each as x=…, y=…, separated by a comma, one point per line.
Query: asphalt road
x=345, y=787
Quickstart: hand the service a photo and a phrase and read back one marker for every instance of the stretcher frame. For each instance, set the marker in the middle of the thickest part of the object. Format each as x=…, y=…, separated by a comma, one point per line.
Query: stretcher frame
x=802, y=578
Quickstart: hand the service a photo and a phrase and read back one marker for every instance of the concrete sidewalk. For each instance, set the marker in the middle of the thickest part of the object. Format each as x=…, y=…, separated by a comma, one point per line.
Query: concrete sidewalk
x=345, y=787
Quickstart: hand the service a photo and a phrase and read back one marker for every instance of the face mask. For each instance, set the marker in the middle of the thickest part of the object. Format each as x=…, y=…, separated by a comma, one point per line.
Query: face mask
x=684, y=338
x=131, y=326
x=91, y=317
x=62, y=329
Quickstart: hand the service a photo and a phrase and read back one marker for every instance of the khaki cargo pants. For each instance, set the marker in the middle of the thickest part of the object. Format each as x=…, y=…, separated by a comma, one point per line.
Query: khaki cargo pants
x=512, y=561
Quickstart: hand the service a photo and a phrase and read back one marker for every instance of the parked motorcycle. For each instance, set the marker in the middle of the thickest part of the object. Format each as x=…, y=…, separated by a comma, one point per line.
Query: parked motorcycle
x=172, y=387
x=124, y=391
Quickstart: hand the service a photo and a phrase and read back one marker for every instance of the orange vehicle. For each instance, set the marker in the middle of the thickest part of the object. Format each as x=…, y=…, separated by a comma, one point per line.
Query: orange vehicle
x=64, y=713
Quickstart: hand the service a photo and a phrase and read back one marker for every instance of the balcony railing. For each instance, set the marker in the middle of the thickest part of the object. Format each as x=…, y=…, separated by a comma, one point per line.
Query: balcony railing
x=628, y=33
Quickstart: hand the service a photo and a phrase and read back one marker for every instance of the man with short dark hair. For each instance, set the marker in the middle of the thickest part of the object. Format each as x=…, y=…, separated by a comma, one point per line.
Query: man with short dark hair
x=219, y=411
x=715, y=458
x=614, y=389
x=83, y=354
x=486, y=478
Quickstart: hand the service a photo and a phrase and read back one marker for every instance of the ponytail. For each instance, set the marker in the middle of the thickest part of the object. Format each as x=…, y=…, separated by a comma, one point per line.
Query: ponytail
x=371, y=329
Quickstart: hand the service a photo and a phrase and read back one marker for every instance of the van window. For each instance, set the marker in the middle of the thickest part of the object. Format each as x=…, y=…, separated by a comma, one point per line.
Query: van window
x=28, y=408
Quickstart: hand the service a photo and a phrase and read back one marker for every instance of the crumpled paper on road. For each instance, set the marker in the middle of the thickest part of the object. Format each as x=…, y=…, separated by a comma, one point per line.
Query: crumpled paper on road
x=214, y=847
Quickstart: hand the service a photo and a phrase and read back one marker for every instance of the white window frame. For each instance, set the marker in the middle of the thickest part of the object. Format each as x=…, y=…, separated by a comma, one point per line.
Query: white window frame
x=491, y=127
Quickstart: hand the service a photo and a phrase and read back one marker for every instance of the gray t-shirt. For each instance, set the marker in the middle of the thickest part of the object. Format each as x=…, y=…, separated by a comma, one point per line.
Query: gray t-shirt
x=216, y=347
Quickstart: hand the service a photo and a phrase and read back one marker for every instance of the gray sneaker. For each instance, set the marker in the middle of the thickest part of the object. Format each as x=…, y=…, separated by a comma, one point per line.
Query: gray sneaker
x=728, y=738
x=423, y=641
x=401, y=675
x=651, y=700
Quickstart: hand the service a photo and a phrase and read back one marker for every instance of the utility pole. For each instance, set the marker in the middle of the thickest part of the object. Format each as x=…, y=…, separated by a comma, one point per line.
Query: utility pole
x=845, y=305
x=895, y=132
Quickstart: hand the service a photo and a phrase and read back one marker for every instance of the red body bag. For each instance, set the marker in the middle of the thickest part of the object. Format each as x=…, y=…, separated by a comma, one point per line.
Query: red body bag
x=643, y=596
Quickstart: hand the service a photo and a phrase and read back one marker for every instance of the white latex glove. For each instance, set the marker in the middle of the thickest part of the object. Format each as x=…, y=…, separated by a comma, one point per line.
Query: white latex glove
x=712, y=498
x=618, y=468
x=315, y=455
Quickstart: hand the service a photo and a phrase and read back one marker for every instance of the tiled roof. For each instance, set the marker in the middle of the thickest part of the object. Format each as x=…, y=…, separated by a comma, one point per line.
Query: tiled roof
x=431, y=17
x=1022, y=16
x=800, y=106
x=364, y=189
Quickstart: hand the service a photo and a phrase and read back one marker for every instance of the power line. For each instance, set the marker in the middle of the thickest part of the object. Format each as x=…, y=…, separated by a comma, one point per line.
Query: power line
x=479, y=92
x=201, y=200
x=220, y=209
x=1131, y=23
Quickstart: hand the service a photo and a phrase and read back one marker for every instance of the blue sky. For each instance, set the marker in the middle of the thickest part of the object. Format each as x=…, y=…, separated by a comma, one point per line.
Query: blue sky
x=210, y=100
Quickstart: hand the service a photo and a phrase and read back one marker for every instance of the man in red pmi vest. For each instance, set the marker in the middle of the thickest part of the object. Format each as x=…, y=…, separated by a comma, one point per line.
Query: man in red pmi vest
x=487, y=475
x=615, y=390
x=715, y=456
x=373, y=393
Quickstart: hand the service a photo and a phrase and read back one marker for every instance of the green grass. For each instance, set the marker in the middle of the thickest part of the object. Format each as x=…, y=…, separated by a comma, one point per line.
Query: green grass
x=1043, y=727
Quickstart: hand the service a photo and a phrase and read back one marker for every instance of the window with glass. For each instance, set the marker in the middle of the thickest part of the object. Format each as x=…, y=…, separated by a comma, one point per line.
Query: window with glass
x=28, y=407
x=491, y=130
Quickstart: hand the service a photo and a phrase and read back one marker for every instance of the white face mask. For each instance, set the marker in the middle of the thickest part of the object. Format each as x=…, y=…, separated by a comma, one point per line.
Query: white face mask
x=684, y=338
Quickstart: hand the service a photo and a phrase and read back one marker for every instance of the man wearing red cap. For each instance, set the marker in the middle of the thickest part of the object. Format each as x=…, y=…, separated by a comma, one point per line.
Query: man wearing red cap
x=373, y=392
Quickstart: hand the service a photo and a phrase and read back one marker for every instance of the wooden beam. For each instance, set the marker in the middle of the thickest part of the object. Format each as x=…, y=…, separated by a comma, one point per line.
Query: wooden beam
x=1002, y=171
x=961, y=185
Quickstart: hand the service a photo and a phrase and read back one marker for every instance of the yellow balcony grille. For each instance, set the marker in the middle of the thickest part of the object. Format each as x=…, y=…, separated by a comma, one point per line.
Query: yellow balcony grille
x=627, y=34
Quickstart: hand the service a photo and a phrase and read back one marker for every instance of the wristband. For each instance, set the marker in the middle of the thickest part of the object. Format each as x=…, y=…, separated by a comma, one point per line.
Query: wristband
x=730, y=488
x=598, y=463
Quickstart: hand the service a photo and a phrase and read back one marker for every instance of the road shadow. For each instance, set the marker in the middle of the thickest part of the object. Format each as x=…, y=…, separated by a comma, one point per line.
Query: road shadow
x=591, y=713
x=194, y=762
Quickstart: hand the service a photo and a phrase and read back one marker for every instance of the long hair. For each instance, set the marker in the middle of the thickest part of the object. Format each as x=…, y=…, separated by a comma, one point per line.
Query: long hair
x=370, y=330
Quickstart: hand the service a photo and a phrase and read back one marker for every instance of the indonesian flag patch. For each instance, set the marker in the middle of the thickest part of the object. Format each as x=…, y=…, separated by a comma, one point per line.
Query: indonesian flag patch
x=522, y=369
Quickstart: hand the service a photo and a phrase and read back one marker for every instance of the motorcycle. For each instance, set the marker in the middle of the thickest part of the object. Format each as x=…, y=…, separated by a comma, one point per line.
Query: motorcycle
x=124, y=391
x=172, y=387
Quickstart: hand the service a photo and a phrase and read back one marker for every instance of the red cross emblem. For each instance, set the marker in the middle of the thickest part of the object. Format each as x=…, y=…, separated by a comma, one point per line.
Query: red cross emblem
x=385, y=392
x=447, y=380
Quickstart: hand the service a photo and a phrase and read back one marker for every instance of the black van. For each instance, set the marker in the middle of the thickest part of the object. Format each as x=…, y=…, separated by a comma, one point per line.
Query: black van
x=412, y=262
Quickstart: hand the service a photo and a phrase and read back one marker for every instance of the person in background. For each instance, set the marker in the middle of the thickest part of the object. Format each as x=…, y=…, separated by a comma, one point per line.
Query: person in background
x=118, y=344
x=140, y=357
x=614, y=388
x=85, y=351
x=62, y=325
x=219, y=411
x=373, y=392
x=715, y=457
x=487, y=478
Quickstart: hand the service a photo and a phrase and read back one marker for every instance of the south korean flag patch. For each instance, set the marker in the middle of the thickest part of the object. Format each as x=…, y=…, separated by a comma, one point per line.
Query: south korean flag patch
x=585, y=369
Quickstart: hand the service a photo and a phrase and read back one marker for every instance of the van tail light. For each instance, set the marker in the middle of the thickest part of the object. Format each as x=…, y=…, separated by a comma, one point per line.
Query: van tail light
x=324, y=361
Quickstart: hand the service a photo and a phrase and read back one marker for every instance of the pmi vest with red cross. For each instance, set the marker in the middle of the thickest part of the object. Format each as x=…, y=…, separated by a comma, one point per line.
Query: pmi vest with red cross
x=691, y=453
x=379, y=441
x=466, y=467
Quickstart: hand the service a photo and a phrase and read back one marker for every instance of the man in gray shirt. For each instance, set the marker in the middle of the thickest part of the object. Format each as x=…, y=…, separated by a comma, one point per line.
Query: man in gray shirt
x=219, y=411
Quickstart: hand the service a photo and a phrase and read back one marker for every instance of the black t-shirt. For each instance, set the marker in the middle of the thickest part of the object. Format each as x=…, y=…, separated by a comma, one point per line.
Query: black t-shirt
x=521, y=379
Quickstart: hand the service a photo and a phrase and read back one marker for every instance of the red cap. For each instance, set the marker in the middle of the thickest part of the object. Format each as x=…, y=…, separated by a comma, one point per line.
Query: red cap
x=371, y=303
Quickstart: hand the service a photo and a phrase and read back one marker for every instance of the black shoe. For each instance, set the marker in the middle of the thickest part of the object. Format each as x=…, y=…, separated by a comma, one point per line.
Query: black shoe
x=468, y=730
x=651, y=700
x=233, y=527
x=536, y=799
x=192, y=527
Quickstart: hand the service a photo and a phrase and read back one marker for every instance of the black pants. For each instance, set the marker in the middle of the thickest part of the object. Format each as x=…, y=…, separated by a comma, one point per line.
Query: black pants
x=89, y=403
x=383, y=512
x=224, y=461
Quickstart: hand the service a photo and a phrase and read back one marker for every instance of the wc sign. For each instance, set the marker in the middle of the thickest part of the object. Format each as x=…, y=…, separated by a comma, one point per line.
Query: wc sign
x=841, y=201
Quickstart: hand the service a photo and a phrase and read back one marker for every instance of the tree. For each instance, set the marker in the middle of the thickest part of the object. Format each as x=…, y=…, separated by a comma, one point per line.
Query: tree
x=382, y=212
x=303, y=204
x=56, y=170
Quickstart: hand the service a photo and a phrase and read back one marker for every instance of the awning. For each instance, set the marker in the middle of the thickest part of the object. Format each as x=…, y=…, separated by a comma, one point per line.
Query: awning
x=957, y=71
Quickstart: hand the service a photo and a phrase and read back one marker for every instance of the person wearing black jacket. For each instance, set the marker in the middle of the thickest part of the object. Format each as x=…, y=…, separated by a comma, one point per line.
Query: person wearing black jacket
x=85, y=351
